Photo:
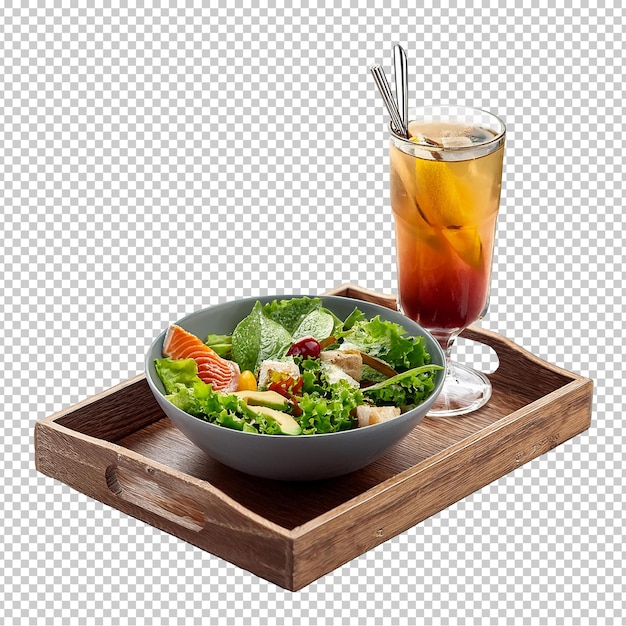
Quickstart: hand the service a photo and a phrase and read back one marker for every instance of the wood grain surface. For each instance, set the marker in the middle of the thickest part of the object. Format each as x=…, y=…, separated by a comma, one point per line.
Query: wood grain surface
x=119, y=448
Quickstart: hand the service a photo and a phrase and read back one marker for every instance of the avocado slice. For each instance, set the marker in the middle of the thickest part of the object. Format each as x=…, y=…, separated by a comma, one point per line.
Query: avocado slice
x=270, y=399
x=288, y=425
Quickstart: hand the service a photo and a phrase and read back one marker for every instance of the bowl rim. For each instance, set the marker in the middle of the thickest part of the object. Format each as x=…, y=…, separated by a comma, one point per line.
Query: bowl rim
x=406, y=416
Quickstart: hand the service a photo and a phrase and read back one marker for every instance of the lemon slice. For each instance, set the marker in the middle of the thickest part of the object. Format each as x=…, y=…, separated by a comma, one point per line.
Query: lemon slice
x=467, y=244
x=439, y=205
x=447, y=204
x=442, y=194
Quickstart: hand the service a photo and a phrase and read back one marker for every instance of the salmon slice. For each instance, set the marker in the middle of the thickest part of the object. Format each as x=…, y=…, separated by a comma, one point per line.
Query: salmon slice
x=221, y=374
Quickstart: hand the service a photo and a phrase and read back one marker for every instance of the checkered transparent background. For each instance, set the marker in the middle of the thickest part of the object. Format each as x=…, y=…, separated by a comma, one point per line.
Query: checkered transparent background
x=158, y=160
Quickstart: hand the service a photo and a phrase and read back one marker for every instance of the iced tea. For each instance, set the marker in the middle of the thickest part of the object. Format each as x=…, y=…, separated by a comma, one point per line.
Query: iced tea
x=445, y=194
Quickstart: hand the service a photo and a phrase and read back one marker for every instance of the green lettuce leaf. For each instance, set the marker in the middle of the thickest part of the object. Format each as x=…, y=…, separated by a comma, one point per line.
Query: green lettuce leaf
x=258, y=338
x=183, y=387
x=290, y=313
x=318, y=324
x=304, y=317
x=356, y=316
x=326, y=408
x=270, y=329
x=387, y=340
x=330, y=412
x=222, y=344
x=175, y=372
x=404, y=390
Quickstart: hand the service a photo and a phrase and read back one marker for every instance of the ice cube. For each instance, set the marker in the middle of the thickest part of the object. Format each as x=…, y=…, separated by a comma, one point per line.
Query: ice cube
x=456, y=142
x=480, y=135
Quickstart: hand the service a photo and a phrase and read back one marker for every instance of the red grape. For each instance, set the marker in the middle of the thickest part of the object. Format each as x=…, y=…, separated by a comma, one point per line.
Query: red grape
x=305, y=347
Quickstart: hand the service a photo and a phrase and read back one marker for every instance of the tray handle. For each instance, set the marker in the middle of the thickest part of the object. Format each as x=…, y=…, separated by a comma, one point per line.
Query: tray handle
x=141, y=485
x=176, y=498
x=497, y=342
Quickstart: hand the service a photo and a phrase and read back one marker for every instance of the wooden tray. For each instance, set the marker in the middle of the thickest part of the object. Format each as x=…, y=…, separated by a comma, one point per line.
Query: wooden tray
x=119, y=448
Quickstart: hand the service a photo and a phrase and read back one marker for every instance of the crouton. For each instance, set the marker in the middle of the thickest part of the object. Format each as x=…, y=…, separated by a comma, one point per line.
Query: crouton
x=368, y=415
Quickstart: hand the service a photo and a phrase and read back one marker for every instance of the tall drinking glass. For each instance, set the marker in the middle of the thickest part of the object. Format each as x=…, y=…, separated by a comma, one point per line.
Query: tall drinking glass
x=445, y=195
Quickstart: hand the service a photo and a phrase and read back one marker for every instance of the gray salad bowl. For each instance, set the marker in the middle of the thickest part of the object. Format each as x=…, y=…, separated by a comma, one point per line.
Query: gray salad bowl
x=284, y=457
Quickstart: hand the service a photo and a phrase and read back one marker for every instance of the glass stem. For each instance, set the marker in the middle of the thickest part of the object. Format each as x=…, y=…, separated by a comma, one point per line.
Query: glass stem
x=446, y=341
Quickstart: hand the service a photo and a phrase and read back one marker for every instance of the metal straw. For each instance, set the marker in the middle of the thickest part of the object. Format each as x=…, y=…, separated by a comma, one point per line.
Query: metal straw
x=401, y=74
x=385, y=91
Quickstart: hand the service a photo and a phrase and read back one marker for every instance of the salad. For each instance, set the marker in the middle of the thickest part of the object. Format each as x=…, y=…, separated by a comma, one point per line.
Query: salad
x=292, y=367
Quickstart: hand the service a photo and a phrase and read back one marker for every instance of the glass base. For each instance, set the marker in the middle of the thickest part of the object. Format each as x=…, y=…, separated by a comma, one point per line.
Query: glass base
x=464, y=390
